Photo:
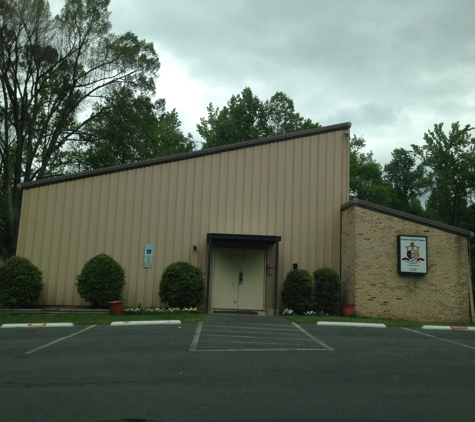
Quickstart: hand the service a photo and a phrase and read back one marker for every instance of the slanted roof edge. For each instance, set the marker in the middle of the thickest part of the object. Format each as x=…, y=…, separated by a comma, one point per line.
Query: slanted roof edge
x=408, y=217
x=185, y=156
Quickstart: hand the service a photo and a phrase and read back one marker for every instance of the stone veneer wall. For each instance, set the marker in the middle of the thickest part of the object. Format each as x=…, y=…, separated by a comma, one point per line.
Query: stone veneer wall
x=369, y=270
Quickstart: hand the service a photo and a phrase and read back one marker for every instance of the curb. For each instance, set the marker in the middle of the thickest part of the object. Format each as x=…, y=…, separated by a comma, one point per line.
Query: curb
x=16, y=311
x=447, y=327
x=163, y=322
x=352, y=324
x=39, y=324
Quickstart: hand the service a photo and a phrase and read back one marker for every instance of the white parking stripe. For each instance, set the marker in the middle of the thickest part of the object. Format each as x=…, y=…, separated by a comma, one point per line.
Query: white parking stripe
x=312, y=337
x=228, y=337
x=251, y=332
x=439, y=338
x=266, y=338
x=196, y=337
x=253, y=342
x=244, y=327
x=60, y=339
x=276, y=349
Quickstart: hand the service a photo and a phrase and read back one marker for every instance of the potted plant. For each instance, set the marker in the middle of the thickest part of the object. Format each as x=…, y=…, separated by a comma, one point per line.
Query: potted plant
x=115, y=306
x=348, y=309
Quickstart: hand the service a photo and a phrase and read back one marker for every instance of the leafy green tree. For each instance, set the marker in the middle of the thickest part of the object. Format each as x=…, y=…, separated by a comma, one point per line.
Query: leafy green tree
x=282, y=118
x=242, y=119
x=51, y=70
x=366, y=175
x=407, y=179
x=449, y=162
x=246, y=117
x=129, y=128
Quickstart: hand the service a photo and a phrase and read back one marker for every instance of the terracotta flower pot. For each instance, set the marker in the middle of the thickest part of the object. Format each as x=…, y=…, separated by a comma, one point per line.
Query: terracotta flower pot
x=115, y=306
x=348, y=310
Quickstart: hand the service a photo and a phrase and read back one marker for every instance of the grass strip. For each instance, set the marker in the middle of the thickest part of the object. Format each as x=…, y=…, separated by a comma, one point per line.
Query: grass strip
x=301, y=319
x=80, y=319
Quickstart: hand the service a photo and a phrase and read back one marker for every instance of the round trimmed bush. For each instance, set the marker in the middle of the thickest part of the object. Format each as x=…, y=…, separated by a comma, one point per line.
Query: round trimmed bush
x=21, y=282
x=297, y=293
x=327, y=290
x=101, y=280
x=182, y=285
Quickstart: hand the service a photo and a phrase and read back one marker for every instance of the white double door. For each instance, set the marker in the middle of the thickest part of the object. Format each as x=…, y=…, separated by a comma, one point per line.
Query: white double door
x=239, y=279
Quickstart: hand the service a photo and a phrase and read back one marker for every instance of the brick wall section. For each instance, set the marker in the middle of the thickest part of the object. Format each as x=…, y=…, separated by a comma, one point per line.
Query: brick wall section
x=369, y=270
x=348, y=256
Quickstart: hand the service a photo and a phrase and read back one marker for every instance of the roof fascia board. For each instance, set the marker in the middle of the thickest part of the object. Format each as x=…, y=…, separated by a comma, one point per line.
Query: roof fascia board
x=185, y=156
x=408, y=217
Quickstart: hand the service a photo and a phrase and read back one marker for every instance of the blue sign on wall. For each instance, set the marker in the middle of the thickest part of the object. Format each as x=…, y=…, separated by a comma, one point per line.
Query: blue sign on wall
x=148, y=256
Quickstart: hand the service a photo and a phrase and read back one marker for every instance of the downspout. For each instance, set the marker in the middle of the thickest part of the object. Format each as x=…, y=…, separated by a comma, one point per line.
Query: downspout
x=208, y=275
x=470, y=288
x=276, y=277
x=341, y=257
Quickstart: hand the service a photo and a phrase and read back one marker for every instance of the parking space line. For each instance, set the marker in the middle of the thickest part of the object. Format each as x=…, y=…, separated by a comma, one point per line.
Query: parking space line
x=244, y=327
x=251, y=332
x=313, y=337
x=196, y=337
x=226, y=337
x=258, y=350
x=439, y=338
x=58, y=340
x=251, y=342
x=266, y=338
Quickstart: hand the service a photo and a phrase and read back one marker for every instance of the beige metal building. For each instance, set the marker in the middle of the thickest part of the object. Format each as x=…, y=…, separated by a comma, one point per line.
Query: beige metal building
x=234, y=211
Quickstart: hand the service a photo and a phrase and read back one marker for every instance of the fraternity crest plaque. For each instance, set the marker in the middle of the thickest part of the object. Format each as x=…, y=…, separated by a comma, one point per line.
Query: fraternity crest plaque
x=412, y=254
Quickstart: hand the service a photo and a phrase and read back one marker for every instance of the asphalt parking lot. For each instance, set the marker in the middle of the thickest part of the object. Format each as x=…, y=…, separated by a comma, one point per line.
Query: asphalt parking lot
x=236, y=368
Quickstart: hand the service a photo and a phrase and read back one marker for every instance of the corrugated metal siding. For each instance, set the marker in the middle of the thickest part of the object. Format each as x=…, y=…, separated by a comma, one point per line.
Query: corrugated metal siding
x=293, y=189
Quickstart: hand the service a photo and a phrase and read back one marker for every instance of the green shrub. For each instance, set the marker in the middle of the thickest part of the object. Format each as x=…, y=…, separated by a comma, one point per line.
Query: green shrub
x=101, y=280
x=297, y=293
x=20, y=282
x=327, y=290
x=182, y=285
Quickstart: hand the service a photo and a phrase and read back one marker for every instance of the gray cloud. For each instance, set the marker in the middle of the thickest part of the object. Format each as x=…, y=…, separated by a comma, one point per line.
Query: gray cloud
x=393, y=68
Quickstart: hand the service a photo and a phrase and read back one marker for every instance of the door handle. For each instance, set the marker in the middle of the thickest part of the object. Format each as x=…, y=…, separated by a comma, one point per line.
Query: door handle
x=241, y=276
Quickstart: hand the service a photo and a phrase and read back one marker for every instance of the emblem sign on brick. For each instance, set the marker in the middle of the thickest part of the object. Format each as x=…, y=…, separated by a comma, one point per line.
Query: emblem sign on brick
x=412, y=254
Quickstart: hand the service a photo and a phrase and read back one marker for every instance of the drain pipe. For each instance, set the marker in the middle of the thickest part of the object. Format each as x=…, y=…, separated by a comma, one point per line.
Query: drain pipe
x=470, y=288
x=276, y=277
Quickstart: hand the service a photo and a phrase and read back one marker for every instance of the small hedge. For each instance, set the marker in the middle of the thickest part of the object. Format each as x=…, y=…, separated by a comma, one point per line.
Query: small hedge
x=327, y=290
x=101, y=280
x=297, y=293
x=21, y=282
x=182, y=285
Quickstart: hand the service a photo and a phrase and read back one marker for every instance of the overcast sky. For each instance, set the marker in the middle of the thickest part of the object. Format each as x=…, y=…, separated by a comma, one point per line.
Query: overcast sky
x=393, y=68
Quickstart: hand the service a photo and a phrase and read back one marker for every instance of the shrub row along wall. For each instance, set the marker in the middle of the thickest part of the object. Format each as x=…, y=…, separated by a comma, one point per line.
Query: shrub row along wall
x=370, y=276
